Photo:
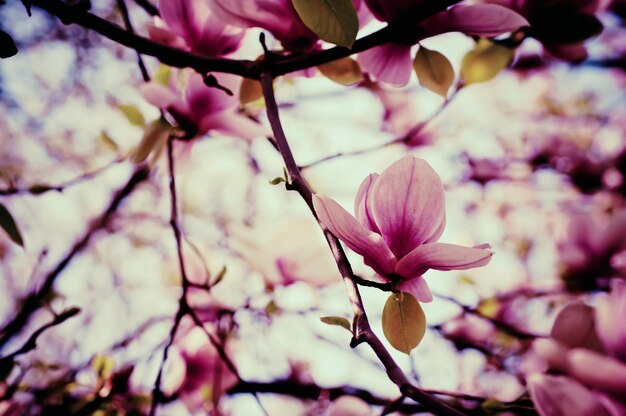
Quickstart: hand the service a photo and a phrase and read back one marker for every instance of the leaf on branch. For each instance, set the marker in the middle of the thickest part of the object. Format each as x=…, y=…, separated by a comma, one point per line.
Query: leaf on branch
x=404, y=323
x=334, y=21
x=7, y=45
x=434, y=71
x=344, y=71
x=250, y=91
x=485, y=62
x=9, y=225
x=103, y=365
x=154, y=138
x=337, y=321
x=133, y=115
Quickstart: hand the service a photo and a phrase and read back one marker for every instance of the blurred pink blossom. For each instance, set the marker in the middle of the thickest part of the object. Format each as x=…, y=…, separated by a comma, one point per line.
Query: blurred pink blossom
x=400, y=215
x=199, y=109
x=391, y=63
x=190, y=25
x=591, y=381
x=287, y=251
x=594, y=249
x=577, y=23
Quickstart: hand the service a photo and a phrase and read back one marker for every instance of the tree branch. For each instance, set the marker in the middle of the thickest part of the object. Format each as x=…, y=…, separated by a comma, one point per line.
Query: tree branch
x=35, y=300
x=361, y=327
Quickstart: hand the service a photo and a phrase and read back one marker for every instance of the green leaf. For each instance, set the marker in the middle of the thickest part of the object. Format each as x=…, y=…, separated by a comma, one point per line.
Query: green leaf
x=334, y=21
x=404, y=323
x=485, y=61
x=8, y=224
x=133, y=115
x=277, y=180
x=344, y=71
x=337, y=321
x=154, y=136
x=433, y=70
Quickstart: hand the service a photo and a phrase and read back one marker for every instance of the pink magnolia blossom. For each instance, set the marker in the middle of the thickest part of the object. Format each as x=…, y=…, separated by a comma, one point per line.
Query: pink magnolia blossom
x=591, y=381
x=391, y=63
x=279, y=17
x=200, y=109
x=400, y=215
x=349, y=406
x=576, y=19
x=190, y=25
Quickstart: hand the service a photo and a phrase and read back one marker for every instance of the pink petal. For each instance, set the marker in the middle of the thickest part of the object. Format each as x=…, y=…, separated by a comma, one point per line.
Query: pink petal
x=159, y=95
x=389, y=63
x=232, y=124
x=609, y=320
x=418, y=288
x=570, y=52
x=487, y=20
x=553, y=352
x=562, y=396
x=389, y=11
x=597, y=371
x=612, y=406
x=183, y=16
x=574, y=327
x=370, y=245
x=203, y=100
x=407, y=204
x=441, y=256
x=361, y=209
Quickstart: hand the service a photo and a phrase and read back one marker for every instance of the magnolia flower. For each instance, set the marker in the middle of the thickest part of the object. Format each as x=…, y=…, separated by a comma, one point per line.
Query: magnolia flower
x=594, y=250
x=576, y=23
x=279, y=17
x=286, y=251
x=190, y=25
x=349, y=406
x=591, y=381
x=400, y=215
x=200, y=109
x=391, y=63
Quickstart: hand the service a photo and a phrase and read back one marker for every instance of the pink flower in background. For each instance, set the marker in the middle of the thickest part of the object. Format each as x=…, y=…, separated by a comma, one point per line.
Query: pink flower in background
x=400, y=215
x=205, y=376
x=591, y=381
x=349, y=406
x=286, y=251
x=576, y=23
x=200, y=109
x=190, y=25
x=391, y=63
x=595, y=250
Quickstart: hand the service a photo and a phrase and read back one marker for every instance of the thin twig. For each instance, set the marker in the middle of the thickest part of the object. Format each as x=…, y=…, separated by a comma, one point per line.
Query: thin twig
x=121, y=4
x=35, y=300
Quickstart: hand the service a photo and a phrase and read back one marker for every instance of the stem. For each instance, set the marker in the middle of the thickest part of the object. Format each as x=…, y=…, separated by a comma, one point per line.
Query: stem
x=362, y=329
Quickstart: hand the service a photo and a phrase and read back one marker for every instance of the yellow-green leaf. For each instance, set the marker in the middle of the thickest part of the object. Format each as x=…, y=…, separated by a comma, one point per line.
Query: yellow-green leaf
x=337, y=321
x=334, y=21
x=485, y=61
x=433, y=70
x=344, y=71
x=250, y=91
x=154, y=137
x=103, y=365
x=404, y=323
x=163, y=74
x=133, y=115
x=9, y=225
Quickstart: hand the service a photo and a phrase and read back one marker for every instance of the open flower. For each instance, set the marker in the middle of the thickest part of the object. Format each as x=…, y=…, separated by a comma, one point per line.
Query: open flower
x=391, y=63
x=400, y=215
x=199, y=109
x=190, y=25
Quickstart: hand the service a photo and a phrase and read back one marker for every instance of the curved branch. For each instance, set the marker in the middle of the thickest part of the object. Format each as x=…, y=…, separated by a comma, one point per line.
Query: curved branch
x=362, y=331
